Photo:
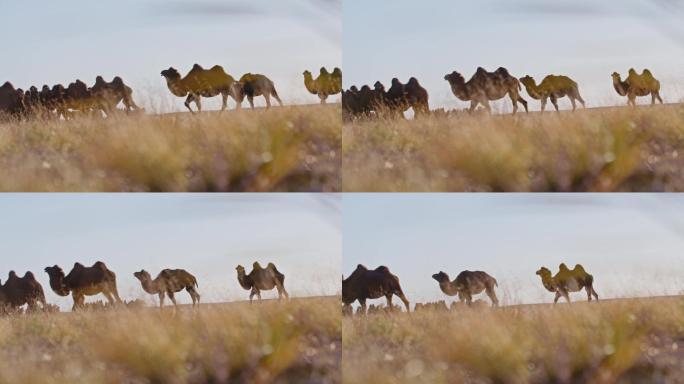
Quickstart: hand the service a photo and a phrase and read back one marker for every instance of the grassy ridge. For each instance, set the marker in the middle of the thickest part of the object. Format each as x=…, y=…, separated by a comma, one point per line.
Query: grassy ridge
x=631, y=340
x=607, y=149
x=282, y=149
x=271, y=342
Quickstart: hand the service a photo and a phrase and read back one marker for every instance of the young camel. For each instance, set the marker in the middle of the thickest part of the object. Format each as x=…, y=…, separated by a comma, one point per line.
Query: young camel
x=168, y=282
x=553, y=87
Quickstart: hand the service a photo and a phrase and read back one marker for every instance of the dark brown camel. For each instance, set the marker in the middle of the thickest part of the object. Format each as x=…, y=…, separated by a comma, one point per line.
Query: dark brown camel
x=364, y=284
x=84, y=281
x=262, y=279
x=18, y=291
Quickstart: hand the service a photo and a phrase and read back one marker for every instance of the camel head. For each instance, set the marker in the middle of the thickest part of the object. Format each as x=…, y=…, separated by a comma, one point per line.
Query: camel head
x=454, y=78
x=441, y=277
x=543, y=271
x=306, y=73
x=615, y=76
x=171, y=74
x=142, y=275
x=527, y=81
x=56, y=275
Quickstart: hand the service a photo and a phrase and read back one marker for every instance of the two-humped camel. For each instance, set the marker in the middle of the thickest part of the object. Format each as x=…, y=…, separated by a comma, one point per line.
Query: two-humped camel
x=262, y=279
x=326, y=84
x=200, y=82
x=167, y=283
x=467, y=284
x=637, y=85
x=485, y=86
x=553, y=87
x=84, y=281
x=253, y=85
x=18, y=291
x=566, y=281
x=364, y=284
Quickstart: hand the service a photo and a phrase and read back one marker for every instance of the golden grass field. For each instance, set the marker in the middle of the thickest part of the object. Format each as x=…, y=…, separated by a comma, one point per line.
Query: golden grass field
x=298, y=341
x=602, y=149
x=283, y=149
x=615, y=341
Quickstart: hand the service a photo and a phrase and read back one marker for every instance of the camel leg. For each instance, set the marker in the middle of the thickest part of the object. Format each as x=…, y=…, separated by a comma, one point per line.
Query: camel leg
x=485, y=103
x=322, y=96
x=251, y=294
x=492, y=296
x=658, y=96
x=281, y=291
x=566, y=295
x=198, y=103
x=594, y=292
x=554, y=101
x=172, y=297
x=572, y=101
x=189, y=100
x=363, y=307
x=543, y=104
x=523, y=102
x=581, y=100
x=267, y=97
x=468, y=298
x=194, y=295
x=558, y=296
x=389, y=302
x=251, y=101
x=224, y=101
x=161, y=300
x=405, y=301
x=631, y=100
x=588, y=289
x=473, y=105
x=77, y=300
x=275, y=96
x=109, y=297
x=514, y=101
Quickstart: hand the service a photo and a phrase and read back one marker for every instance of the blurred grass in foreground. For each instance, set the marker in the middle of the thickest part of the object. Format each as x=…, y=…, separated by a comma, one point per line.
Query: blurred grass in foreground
x=282, y=149
x=617, y=341
x=272, y=342
x=605, y=149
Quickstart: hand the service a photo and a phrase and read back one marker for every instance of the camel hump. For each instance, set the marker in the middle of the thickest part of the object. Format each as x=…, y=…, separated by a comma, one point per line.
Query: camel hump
x=8, y=85
x=382, y=268
x=78, y=265
x=502, y=71
x=12, y=274
x=29, y=275
x=647, y=73
x=197, y=67
x=361, y=267
x=579, y=269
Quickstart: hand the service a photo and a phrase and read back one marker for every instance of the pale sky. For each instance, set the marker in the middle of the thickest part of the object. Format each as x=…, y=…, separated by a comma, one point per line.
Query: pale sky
x=633, y=244
x=58, y=42
x=206, y=234
x=586, y=40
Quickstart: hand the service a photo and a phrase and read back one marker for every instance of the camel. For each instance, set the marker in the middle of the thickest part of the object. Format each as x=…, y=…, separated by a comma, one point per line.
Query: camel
x=254, y=84
x=553, y=87
x=637, y=85
x=167, y=283
x=365, y=284
x=566, y=281
x=84, y=281
x=485, y=86
x=325, y=84
x=200, y=82
x=11, y=102
x=467, y=284
x=18, y=291
x=109, y=95
x=262, y=279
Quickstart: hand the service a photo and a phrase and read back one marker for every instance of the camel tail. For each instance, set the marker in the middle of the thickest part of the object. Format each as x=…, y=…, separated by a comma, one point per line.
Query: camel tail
x=194, y=282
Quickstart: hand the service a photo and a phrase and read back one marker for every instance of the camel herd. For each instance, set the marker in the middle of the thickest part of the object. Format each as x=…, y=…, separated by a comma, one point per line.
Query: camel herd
x=103, y=98
x=97, y=279
x=484, y=87
x=364, y=284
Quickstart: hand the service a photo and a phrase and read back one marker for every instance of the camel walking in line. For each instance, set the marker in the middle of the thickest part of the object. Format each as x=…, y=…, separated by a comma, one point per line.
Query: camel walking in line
x=467, y=284
x=485, y=86
x=262, y=279
x=253, y=85
x=364, y=284
x=200, y=82
x=566, y=281
x=553, y=87
x=167, y=283
x=84, y=281
x=637, y=85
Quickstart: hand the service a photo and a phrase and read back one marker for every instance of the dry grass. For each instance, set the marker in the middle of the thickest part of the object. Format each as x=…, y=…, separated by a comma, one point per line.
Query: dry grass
x=620, y=341
x=607, y=149
x=288, y=342
x=282, y=149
